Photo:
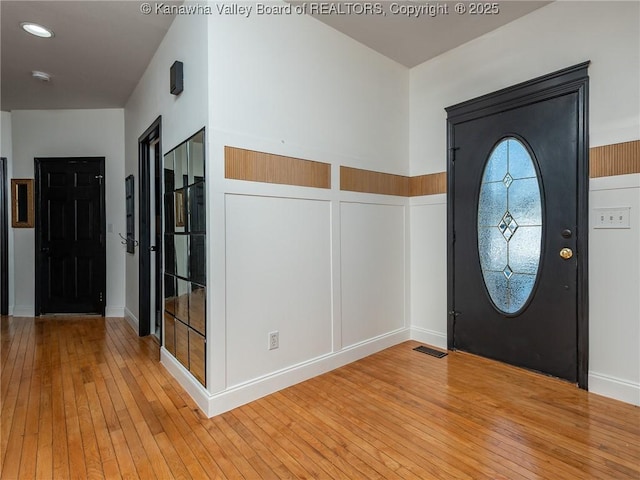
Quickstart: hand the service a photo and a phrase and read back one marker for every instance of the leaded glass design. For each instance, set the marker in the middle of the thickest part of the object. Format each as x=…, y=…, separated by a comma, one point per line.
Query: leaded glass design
x=510, y=225
x=507, y=180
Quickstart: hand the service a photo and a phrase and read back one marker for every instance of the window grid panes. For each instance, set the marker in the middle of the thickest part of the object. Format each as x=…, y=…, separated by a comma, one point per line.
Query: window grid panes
x=185, y=262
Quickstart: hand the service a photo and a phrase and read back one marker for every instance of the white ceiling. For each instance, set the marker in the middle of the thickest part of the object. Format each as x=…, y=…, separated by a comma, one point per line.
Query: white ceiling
x=96, y=58
x=414, y=40
x=101, y=48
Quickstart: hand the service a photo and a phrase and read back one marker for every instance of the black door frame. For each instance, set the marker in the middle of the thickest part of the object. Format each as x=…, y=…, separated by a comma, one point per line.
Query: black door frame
x=153, y=133
x=569, y=80
x=4, y=239
x=37, y=274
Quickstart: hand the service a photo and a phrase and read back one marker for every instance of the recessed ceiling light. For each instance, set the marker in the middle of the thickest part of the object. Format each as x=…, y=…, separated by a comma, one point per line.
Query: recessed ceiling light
x=37, y=30
x=42, y=76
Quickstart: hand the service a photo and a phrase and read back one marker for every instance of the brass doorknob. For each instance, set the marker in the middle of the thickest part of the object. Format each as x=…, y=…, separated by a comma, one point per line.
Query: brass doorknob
x=566, y=253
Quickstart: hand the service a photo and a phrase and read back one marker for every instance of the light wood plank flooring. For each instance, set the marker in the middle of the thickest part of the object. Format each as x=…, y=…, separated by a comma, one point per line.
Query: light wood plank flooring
x=86, y=398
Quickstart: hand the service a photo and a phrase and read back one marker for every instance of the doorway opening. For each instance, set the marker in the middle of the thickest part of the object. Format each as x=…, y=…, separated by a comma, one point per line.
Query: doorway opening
x=150, y=224
x=4, y=239
x=518, y=225
x=70, y=252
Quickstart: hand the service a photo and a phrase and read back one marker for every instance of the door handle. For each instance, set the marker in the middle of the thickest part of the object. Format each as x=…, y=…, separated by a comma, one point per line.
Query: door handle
x=153, y=249
x=566, y=253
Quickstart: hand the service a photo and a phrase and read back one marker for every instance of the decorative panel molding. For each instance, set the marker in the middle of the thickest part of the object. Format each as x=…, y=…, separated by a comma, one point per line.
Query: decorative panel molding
x=367, y=181
x=616, y=159
x=431, y=184
x=241, y=164
x=604, y=161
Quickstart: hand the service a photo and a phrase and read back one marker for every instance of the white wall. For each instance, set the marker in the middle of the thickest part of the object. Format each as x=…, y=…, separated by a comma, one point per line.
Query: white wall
x=71, y=133
x=429, y=269
x=6, y=150
x=293, y=81
x=302, y=260
x=373, y=270
x=556, y=36
x=6, y=144
x=182, y=115
x=614, y=300
x=328, y=269
x=278, y=279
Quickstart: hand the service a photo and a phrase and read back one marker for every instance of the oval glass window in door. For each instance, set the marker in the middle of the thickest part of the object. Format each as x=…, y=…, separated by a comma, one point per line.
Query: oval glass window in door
x=510, y=225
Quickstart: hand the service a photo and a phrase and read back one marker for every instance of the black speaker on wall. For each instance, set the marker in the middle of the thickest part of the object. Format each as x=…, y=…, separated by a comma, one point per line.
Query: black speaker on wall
x=176, y=79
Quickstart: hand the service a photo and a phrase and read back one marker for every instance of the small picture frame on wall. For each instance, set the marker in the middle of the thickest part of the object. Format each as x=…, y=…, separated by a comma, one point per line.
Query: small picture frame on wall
x=22, y=210
x=180, y=213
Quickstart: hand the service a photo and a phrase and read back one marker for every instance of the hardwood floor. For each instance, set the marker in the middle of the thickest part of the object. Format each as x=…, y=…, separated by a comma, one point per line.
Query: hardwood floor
x=87, y=398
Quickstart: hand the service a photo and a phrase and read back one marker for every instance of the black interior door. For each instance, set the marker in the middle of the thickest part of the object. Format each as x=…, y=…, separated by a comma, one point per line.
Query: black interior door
x=70, y=243
x=517, y=225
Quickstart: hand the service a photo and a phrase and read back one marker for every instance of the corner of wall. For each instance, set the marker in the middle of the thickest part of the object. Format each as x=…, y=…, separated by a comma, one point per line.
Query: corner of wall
x=117, y=311
x=23, y=311
x=131, y=319
x=615, y=388
x=430, y=337
x=196, y=391
x=6, y=150
x=260, y=387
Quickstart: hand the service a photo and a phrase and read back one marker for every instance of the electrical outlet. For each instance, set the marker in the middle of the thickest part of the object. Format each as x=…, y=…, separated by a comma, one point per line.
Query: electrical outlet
x=274, y=340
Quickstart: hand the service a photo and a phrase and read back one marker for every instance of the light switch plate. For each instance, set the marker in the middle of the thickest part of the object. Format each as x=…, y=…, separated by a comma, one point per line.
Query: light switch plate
x=611, y=217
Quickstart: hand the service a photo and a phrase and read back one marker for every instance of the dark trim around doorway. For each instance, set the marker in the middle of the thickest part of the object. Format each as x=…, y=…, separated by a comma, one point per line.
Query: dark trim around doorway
x=4, y=239
x=573, y=79
x=152, y=134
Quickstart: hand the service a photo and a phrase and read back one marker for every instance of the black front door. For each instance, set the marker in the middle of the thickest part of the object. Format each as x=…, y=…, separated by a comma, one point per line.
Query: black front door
x=518, y=225
x=70, y=243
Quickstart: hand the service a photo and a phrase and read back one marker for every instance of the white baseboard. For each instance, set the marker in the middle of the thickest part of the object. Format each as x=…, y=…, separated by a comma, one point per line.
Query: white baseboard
x=29, y=311
x=132, y=319
x=600, y=384
x=429, y=337
x=215, y=404
x=114, y=312
x=250, y=391
x=194, y=388
x=24, y=311
x=616, y=388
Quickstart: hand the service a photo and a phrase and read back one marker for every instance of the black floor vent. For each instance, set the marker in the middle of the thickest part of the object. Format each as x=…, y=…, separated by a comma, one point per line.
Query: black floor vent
x=430, y=351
